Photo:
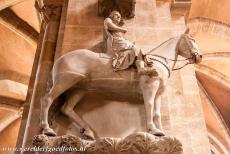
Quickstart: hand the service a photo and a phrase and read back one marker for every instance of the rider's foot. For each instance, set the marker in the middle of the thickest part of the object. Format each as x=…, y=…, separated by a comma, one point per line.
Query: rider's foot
x=156, y=132
x=48, y=132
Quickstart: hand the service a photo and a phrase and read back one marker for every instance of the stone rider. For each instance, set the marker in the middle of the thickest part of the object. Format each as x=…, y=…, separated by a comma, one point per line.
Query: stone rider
x=124, y=51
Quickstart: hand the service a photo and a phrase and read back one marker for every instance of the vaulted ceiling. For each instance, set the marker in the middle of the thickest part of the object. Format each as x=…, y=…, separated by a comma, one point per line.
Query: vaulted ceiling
x=209, y=22
x=19, y=31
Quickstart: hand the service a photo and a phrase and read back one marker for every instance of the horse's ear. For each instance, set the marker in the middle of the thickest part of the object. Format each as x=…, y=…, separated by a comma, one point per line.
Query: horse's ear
x=186, y=31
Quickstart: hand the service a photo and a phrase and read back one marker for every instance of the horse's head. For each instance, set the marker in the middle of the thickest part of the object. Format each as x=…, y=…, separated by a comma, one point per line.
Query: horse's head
x=187, y=48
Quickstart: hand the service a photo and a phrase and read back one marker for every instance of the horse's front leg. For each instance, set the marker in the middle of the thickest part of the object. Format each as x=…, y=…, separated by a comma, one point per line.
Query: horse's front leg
x=157, y=113
x=149, y=88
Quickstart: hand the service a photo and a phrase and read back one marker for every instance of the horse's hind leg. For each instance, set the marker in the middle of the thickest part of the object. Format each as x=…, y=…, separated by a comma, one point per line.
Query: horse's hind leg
x=61, y=84
x=46, y=102
x=73, y=98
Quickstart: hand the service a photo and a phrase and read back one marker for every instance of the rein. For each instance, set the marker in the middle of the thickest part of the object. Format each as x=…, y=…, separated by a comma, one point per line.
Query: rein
x=174, y=69
x=174, y=60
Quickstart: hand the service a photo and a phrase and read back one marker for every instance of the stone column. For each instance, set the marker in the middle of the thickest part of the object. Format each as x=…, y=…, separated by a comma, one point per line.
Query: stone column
x=51, y=12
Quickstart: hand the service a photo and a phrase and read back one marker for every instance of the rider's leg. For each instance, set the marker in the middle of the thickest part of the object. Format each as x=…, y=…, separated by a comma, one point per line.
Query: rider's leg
x=140, y=67
x=140, y=64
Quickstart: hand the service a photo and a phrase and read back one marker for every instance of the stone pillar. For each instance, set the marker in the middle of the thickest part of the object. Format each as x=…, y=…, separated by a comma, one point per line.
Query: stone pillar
x=51, y=12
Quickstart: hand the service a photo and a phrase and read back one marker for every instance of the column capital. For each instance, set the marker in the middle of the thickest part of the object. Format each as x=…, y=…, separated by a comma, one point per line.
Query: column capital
x=49, y=11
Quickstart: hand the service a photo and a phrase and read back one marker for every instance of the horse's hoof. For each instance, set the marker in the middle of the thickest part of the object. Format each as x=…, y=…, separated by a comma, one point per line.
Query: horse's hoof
x=49, y=132
x=87, y=134
x=156, y=132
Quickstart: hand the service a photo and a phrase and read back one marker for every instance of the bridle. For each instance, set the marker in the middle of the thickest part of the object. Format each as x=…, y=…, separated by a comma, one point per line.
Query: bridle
x=193, y=56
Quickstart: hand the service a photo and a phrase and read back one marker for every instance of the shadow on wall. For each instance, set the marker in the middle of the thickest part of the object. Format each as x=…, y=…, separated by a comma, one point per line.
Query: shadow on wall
x=84, y=28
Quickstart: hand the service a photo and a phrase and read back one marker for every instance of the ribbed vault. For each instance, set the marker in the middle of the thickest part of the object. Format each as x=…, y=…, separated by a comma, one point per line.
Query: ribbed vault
x=209, y=22
x=19, y=31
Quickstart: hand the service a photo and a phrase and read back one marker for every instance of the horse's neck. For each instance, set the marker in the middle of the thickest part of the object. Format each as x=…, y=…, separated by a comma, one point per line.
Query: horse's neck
x=168, y=50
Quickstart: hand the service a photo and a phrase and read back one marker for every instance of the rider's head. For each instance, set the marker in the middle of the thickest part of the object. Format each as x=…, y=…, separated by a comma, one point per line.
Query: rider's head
x=116, y=17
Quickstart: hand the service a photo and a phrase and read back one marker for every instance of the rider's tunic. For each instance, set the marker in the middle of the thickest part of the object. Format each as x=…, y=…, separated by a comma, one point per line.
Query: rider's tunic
x=116, y=43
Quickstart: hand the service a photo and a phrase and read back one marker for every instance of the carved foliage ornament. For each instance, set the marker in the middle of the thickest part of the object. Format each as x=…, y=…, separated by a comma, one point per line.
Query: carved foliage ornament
x=137, y=143
x=49, y=12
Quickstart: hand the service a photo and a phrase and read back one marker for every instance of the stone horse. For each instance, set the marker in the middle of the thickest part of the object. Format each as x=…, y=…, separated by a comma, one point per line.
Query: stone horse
x=84, y=68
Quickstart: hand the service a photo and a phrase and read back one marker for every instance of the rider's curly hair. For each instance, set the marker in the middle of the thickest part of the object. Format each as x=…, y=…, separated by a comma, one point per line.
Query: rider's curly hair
x=111, y=15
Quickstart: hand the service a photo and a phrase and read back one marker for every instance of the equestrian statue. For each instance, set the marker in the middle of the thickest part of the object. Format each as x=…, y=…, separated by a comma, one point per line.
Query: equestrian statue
x=81, y=70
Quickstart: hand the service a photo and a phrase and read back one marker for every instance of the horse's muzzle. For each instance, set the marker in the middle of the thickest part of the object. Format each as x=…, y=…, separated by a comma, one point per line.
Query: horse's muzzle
x=198, y=58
